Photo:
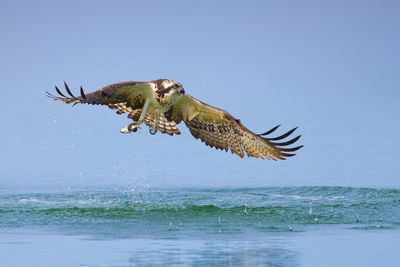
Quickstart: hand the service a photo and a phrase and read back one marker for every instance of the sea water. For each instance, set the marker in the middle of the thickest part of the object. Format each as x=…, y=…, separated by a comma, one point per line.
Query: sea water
x=273, y=226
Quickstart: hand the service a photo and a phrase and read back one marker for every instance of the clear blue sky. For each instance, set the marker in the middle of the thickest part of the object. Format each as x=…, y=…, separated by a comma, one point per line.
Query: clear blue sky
x=330, y=67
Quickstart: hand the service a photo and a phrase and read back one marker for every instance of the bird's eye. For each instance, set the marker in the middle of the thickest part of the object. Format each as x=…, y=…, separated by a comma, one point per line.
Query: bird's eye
x=174, y=86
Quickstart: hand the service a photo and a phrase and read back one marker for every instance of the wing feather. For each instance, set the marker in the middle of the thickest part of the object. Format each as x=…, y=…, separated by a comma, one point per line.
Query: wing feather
x=218, y=128
x=124, y=96
x=164, y=125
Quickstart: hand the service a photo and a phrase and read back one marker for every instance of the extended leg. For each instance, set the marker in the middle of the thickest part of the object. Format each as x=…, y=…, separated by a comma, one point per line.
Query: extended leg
x=133, y=127
x=154, y=128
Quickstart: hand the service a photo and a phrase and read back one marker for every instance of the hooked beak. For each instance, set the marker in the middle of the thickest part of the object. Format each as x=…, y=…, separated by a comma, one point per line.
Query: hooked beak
x=182, y=91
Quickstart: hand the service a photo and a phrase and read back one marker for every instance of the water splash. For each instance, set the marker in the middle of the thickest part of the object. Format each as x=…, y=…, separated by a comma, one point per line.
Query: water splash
x=268, y=208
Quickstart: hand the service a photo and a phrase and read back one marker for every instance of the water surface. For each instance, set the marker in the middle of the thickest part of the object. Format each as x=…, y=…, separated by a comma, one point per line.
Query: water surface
x=277, y=226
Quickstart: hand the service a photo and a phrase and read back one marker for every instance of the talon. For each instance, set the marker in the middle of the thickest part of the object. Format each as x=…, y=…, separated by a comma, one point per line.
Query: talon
x=133, y=127
x=151, y=131
x=130, y=128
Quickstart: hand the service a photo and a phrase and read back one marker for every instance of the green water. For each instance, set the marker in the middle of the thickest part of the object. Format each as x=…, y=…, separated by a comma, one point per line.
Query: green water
x=198, y=226
x=121, y=213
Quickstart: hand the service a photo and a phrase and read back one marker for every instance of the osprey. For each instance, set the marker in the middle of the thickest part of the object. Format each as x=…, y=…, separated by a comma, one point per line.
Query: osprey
x=162, y=104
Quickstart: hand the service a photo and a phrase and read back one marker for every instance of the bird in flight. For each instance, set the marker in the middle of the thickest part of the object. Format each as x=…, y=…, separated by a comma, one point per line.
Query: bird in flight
x=162, y=104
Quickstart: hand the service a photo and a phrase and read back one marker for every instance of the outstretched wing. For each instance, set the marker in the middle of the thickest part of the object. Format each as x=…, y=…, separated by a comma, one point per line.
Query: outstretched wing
x=217, y=128
x=125, y=96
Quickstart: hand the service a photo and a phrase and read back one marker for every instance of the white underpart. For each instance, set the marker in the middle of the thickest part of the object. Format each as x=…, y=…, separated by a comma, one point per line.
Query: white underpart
x=151, y=101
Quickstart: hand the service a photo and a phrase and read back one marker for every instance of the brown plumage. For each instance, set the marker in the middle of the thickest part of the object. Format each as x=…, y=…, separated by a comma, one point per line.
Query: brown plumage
x=168, y=105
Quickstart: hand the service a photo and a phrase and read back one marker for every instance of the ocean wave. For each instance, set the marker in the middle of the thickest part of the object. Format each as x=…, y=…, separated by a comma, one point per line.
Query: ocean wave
x=270, y=207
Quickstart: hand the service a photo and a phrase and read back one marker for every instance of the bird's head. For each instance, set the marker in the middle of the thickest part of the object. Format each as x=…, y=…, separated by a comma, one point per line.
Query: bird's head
x=169, y=91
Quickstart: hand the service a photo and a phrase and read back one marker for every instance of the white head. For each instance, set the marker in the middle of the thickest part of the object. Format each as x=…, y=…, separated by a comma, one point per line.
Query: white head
x=168, y=91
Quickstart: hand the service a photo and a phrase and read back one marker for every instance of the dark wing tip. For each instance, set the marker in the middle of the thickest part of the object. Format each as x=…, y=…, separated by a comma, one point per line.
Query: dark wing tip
x=69, y=91
x=67, y=99
x=281, y=148
x=287, y=143
x=83, y=94
x=271, y=131
x=48, y=94
x=291, y=149
x=59, y=92
x=287, y=155
x=283, y=135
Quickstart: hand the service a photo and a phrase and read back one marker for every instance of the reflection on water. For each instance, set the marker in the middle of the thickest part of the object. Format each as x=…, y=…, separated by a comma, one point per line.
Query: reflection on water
x=70, y=250
x=244, y=253
x=323, y=246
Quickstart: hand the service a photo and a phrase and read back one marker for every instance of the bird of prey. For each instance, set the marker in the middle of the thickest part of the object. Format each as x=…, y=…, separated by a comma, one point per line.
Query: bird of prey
x=162, y=104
